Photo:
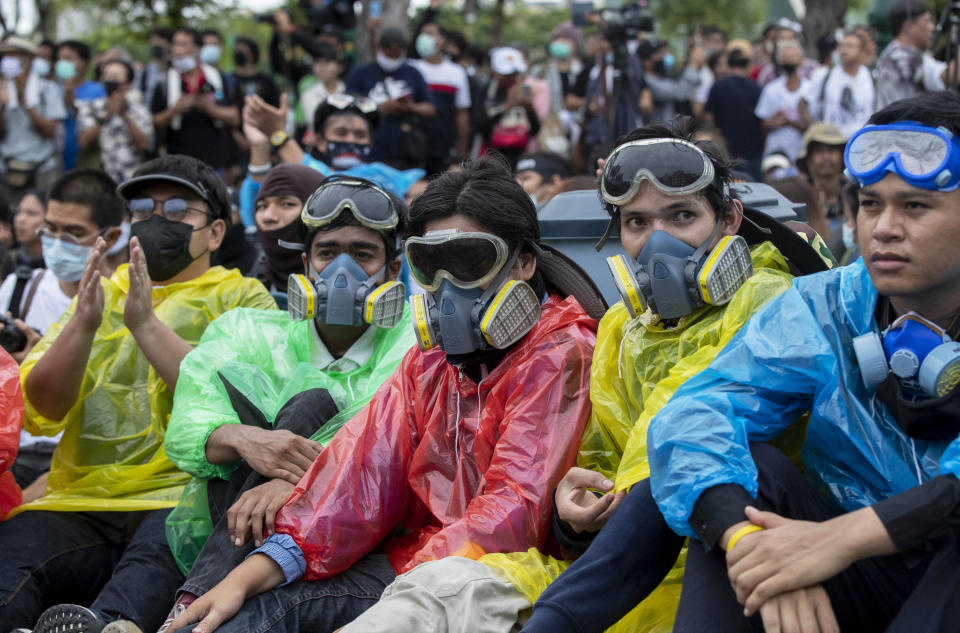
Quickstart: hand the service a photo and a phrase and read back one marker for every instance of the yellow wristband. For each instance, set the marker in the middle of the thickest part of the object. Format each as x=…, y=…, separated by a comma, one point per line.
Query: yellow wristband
x=739, y=534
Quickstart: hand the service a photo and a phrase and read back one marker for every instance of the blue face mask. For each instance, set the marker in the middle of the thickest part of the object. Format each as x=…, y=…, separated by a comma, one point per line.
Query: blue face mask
x=65, y=69
x=668, y=61
x=40, y=67
x=210, y=54
x=426, y=45
x=66, y=261
x=347, y=155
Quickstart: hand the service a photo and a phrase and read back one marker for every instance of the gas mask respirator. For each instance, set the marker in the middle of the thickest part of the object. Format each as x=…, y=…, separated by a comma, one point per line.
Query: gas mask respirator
x=343, y=294
x=918, y=352
x=456, y=314
x=673, y=278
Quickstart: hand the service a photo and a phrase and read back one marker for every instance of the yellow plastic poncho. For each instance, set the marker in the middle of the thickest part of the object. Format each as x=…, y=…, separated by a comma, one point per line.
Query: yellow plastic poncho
x=111, y=456
x=637, y=365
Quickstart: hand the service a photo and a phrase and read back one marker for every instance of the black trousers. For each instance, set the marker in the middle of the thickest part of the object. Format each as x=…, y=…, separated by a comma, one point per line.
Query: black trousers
x=887, y=593
x=303, y=414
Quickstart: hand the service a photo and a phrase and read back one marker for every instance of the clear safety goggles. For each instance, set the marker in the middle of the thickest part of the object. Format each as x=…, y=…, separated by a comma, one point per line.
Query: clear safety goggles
x=371, y=206
x=467, y=259
x=674, y=166
x=925, y=157
x=342, y=101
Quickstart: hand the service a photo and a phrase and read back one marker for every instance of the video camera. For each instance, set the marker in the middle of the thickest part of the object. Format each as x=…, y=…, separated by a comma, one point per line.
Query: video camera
x=627, y=22
x=339, y=13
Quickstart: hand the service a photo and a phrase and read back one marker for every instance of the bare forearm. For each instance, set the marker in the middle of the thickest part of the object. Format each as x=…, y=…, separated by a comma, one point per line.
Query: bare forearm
x=162, y=119
x=87, y=138
x=291, y=152
x=865, y=534
x=223, y=445
x=257, y=574
x=139, y=138
x=423, y=109
x=53, y=385
x=227, y=115
x=46, y=127
x=163, y=349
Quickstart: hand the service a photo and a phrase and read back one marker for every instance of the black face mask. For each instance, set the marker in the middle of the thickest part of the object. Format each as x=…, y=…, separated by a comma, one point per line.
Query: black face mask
x=281, y=261
x=158, y=52
x=660, y=67
x=240, y=58
x=166, y=246
x=111, y=87
x=788, y=68
x=924, y=419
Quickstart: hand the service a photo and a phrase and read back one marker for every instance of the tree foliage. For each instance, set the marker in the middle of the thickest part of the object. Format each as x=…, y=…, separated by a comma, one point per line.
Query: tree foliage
x=739, y=18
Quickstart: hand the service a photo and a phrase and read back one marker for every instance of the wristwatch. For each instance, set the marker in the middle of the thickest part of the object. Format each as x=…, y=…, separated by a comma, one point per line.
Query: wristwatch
x=278, y=138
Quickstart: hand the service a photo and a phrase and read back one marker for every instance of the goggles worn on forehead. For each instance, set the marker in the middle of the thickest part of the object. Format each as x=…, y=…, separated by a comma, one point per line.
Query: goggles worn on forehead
x=341, y=101
x=674, y=166
x=370, y=205
x=925, y=157
x=467, y=259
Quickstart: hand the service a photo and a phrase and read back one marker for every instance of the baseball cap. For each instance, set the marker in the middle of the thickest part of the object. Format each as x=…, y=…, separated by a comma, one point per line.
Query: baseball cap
x=547, y=165
x=186, y=171
x=506, y=61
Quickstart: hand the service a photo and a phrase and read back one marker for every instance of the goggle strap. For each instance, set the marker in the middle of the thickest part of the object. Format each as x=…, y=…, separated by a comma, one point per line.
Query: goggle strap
x=293, y=246
x=694, y=259
x=607, y=233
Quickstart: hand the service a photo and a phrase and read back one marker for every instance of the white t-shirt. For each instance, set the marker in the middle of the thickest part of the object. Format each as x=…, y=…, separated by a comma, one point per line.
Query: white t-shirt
x=49, y=304
x=848, y=113
x=776, y=96
x=446, y=77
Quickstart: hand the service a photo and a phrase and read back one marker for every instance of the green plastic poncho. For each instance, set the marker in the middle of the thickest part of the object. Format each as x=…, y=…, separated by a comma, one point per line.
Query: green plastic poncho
x=111, y=456
x=269, y=367
x=637, y=365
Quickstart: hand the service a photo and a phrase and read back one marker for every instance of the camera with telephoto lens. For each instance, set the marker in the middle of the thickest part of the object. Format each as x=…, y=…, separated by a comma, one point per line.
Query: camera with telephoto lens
x=12, y=338
x=339, y=13
x=627, y=22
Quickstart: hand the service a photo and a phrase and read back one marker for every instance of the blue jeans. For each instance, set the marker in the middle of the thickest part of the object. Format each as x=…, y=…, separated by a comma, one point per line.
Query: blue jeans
x=67, y=557
x=318, y=607
x=626, y=561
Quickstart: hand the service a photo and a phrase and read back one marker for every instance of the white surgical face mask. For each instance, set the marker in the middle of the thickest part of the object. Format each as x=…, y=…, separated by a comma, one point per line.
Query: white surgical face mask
x=40, y=67
x=388, y=64
x=210, y=54
x=65, y=260
x=10, y=66
x=184, y=64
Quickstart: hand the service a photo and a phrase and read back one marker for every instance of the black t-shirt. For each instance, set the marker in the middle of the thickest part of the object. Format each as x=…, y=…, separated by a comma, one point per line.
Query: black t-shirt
x=732, y=101
x=198, y=135
x=579, y=87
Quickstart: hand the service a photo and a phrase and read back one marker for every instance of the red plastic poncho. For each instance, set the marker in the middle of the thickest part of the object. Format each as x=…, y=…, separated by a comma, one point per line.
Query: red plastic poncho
x=464, y=469
x=11, y=417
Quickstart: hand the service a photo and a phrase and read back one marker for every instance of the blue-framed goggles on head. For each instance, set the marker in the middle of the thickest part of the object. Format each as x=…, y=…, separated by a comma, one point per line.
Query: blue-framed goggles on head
x=925, y=157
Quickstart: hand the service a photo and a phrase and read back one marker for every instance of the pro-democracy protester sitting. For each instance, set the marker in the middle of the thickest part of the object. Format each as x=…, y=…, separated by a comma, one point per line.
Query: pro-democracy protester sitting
x=243, y=413
x=82, y=206
x=277, y=208
x=869, y=534
x=104, y=374
x=459, y=451
x=344, y=137
x=669, y=197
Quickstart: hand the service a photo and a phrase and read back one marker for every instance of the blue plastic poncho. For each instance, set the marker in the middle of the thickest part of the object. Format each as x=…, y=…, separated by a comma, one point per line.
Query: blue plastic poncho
x=794, y=355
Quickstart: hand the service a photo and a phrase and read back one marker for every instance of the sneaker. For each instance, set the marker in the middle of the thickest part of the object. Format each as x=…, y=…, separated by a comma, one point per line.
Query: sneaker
x=68, y=618
x=181, y=605
x=122, y=626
